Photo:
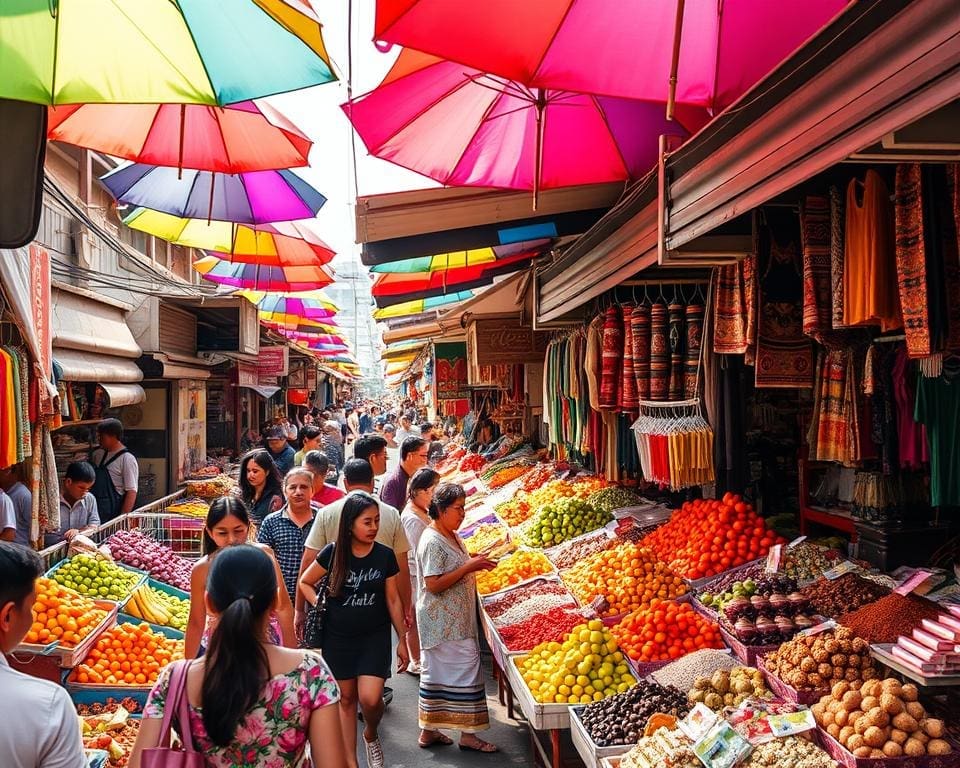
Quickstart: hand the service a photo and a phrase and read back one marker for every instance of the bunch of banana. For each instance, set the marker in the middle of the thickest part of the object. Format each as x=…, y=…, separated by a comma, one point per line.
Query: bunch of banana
x=159, y=608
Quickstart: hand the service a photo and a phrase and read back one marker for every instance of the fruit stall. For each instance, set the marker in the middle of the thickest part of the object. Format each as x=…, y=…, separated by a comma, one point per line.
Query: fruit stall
x=109, y=617
x=641, y=635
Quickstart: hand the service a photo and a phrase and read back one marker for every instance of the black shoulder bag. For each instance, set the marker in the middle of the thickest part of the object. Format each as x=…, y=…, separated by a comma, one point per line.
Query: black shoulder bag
x=313, y=629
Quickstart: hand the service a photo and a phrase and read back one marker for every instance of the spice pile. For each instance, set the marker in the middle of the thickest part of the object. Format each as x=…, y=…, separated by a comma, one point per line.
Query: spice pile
x=625, y=577
x=539, y=627
x=621, y=718
x=684, y=672
x=818, y=661
x=889, y=617
x=664, y=631
x=572, y=552
x=533, y=605
x=496, y=607
x=880, y=719
x=842, y=595
x=728, y=688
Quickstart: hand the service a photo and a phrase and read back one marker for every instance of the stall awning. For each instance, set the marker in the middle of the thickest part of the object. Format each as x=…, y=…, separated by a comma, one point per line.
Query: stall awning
x=183, y=366
x=89, y=366
x=124, y=394
x=84, y=324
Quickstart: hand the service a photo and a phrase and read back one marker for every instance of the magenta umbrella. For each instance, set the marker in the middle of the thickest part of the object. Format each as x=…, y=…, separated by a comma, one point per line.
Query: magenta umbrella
x=466, y=128
x=625, y=48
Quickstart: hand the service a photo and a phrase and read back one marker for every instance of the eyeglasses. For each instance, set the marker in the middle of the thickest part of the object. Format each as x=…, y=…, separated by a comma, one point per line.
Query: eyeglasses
x=423, y=455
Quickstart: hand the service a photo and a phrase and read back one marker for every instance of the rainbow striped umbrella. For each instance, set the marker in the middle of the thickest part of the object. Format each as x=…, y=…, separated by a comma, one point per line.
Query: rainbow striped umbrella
x=419, y=306
x=262, y=278
x=212, y=52
x=458, y=259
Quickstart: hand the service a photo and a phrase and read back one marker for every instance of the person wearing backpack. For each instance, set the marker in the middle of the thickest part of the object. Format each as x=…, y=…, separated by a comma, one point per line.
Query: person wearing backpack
x=118, y=474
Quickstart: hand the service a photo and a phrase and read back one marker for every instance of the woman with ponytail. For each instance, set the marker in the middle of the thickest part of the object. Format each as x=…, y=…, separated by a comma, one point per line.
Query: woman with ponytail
x=250, y=702
x=228, y=525
x=362, y=601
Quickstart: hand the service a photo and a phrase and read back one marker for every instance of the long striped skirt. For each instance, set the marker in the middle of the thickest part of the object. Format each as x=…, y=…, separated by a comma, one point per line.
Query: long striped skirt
x=452, y=694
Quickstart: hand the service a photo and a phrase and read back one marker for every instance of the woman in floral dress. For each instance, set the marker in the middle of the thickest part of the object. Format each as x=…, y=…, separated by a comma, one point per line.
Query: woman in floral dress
x=251, y=702
x=452, y=694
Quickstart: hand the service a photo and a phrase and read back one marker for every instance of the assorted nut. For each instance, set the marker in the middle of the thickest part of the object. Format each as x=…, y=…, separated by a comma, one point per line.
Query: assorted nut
x=728, y=688
x=812, y=662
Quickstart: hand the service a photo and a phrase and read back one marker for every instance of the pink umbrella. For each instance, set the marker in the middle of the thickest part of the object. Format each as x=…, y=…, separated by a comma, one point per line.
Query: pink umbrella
x=626, y=48
x=466, y=128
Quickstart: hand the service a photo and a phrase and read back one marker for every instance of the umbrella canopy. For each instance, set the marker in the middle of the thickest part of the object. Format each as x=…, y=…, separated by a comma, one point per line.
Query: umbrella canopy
x=463, y=127
x=298, y=18
x=455, y=259
x=419, y=306
x=622, y=49
x=256, y=197
x=396, y=287
x=303, y=326
x=290, y=241
x=226, y=140
x=150, y=51
x=319, y=340
x=262, y=278
x=308, y=306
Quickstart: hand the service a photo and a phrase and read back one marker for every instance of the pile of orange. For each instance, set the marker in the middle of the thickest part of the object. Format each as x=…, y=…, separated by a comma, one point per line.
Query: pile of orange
x=512, y=570
x=62, y=615
x=128, y=654
x=622, y=579
x=664, y=631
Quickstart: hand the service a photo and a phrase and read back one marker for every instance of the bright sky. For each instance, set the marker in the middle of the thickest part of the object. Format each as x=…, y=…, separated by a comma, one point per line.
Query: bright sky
x=318, y=114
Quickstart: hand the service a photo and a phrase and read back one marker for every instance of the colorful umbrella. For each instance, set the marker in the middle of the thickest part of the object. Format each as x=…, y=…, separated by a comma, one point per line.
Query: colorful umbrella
x=298, y=18
x=223, y=139
x=455, y=259
x=623, y=49
x=262, y=278
x=150, y=52
x=257, y=197
x=462, y=127
x=395, y=287
x=419, y=306
x=303, y=326
x=290, y=241
x=282, y=307
x=319, y=340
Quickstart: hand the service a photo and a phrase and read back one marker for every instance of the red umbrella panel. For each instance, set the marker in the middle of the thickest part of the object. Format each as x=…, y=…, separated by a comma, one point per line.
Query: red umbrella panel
x=397, y=287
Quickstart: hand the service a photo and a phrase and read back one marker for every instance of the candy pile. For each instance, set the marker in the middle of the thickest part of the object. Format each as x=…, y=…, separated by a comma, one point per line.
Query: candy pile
x=512, y=570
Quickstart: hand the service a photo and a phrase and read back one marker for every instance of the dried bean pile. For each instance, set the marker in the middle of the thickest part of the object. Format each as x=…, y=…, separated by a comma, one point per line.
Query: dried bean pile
x=889, y=617
x=621, y=719
x=843, y=595
x=523, y=593
x=685, y=671
x=572, y=552
x=540, y=628
x=536, y=604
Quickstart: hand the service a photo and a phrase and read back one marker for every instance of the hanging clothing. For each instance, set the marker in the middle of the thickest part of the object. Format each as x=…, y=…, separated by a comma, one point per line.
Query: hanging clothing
x=694, y=323
x=610, y=379
x=735, y=308
x=628, y=389
x=911, y=435
x=640, y=326
x=9, y=420
x=674, y=450
x=678, y=347
x=869, y=271
x=938, y=408
x=815, y=233
x=593, y=361
x=659, y=352
x=834, y=433
x=784, y=354
x=836, y=257
x=951, y=260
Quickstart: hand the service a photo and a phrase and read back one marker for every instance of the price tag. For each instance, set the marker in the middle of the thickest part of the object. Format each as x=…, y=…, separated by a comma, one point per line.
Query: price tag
x=775, y=558
x=913, y=582
x=839, y=570
x=796, y=541
x=818, y=628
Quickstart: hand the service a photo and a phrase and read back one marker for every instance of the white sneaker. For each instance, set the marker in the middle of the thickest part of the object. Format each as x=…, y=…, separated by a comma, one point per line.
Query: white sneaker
x=374, y=753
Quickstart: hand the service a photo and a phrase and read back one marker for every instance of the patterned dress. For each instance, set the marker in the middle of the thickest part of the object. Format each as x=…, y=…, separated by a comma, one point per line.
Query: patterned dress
x=273, y=734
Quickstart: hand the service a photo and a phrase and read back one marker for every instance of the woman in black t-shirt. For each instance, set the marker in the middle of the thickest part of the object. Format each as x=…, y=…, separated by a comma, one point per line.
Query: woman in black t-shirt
x=363, y=600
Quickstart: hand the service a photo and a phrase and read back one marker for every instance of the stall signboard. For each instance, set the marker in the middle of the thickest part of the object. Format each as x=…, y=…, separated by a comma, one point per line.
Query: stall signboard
x=247, y=375
x=503, y=342
x=273, y=362
x=450, y=372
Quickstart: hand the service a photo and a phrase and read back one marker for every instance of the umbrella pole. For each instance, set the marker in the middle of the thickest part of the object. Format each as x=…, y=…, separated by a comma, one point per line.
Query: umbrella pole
x=541, y=105
x=183, y=119
x=213, y=181
x=675, y=60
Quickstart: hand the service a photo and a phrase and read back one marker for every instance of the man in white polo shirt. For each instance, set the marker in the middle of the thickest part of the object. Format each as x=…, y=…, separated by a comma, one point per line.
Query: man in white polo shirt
x=40, y=728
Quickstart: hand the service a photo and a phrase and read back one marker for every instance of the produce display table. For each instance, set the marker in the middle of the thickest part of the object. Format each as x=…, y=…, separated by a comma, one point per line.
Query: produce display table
x=589, y=751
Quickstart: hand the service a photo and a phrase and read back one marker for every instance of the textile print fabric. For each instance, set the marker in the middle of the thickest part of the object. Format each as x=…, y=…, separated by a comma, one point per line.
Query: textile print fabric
x=678, y=345
x=610, y=379
x=694, y=317
x=659, y=353
x=815, y=231
x=640, y=327
x=784, y=354
x=834, y=433
x=911, y=262
x=628, y=389
x=836, y=257
x=734, y=309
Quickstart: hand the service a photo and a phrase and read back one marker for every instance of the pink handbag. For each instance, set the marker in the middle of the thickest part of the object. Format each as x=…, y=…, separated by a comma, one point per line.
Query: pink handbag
x=177, y=706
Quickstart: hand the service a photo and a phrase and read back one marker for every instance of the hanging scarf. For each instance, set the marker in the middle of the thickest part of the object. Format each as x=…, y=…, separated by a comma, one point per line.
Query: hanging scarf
x=911, y=261
x=610, y=379
x=659, y=353
x=695, y=314
x=678, y=339
x=628, y=389
x=836, y=257
x=815, y=233
x=734, y=308
x=640, y=322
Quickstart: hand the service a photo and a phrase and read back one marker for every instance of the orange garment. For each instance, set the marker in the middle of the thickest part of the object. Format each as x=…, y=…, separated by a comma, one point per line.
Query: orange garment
x=869, y=271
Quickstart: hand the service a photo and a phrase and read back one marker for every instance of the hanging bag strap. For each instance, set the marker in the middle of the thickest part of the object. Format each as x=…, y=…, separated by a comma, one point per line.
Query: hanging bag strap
x=103, y=459
x=175, y=709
